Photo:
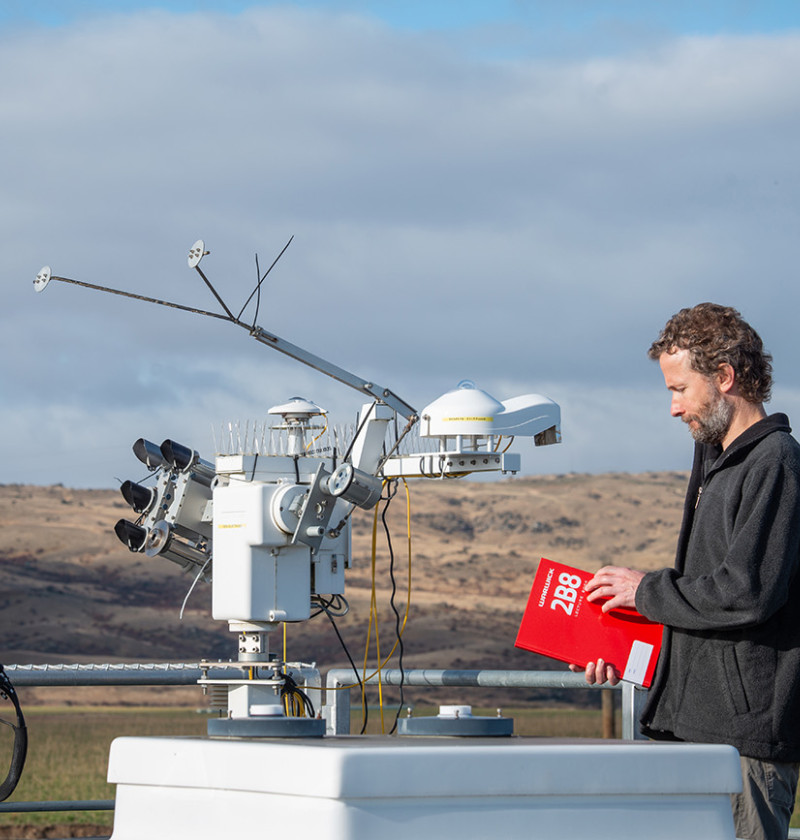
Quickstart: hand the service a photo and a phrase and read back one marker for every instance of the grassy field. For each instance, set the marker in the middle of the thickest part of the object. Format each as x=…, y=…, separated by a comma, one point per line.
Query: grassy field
x=68, y=755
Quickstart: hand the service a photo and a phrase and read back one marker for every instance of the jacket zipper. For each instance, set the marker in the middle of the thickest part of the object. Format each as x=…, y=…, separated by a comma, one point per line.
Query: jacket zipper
x=699, y=493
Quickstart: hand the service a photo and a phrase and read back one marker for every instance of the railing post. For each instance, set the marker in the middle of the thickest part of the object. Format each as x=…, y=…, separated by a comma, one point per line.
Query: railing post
x=633, y=699
x=336, y=710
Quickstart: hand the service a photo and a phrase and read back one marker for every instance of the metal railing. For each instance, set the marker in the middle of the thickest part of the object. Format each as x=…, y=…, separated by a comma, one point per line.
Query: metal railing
x=338, y=700
x=338, y=679
x=116, y=674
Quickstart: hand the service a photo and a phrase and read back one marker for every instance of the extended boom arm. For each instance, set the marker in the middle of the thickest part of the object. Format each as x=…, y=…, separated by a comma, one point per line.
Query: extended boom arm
x=197, y=252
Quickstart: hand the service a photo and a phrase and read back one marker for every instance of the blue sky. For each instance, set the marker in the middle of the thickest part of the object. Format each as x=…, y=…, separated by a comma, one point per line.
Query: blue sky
x=678, y=16
x=515, y=193
x=560, y=19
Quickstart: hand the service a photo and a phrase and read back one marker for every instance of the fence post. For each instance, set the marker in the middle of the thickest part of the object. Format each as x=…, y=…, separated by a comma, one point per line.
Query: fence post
x=607, y=706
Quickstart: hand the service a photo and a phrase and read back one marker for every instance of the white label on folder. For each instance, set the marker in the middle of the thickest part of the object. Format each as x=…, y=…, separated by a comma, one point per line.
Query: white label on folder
x=638, y=660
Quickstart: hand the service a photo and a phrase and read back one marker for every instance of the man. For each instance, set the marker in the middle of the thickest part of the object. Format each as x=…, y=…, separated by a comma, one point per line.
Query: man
x=729, y=670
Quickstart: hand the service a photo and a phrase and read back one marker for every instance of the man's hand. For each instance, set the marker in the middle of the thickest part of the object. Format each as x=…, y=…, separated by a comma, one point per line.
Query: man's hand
x=616, y=585
x=598, y=673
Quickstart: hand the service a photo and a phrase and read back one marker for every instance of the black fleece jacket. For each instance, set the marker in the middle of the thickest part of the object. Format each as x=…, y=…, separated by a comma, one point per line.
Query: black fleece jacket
x=729, y=670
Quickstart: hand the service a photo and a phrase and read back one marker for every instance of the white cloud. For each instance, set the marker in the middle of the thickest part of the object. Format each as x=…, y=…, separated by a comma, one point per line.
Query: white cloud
x=527, y=222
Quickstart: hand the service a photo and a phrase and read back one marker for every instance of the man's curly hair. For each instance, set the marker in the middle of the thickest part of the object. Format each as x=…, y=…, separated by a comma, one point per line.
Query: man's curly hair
x=716, y=335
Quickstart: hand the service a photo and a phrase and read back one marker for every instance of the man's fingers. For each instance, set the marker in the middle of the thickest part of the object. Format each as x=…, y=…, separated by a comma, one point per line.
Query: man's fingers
x=597, y=673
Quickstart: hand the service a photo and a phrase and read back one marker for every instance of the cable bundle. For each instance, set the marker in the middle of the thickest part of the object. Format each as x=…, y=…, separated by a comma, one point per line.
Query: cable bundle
x=7, y=692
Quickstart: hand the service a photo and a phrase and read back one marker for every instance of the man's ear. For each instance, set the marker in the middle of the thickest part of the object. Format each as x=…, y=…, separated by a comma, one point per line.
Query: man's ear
x=726, y=378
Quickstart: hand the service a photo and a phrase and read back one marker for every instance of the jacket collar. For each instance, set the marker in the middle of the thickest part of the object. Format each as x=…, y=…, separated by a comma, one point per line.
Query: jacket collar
x=714, y=457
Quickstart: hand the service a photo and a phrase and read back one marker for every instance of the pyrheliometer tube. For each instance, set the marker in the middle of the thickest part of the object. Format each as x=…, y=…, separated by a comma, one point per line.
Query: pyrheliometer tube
x=132, y=535
x=148, y=453
x=138, y=497
x=181, y=458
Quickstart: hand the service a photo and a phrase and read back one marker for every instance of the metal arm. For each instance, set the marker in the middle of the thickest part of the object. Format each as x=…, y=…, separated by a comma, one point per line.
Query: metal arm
x=370, y=388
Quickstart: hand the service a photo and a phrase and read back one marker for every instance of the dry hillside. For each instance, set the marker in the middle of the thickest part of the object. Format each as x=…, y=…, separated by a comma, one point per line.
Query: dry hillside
x=69, y=591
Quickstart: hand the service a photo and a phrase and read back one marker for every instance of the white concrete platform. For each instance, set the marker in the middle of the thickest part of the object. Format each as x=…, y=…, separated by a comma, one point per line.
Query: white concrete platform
x=359, y=788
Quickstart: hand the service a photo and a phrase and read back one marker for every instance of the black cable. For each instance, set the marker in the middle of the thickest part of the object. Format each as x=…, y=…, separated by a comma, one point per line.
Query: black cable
x=355, y=671
x=258, y=296
x=391, y=492
x=7, y=692
x=262, y=279
x=358, y=431
x=336, y=605
x=291, y=692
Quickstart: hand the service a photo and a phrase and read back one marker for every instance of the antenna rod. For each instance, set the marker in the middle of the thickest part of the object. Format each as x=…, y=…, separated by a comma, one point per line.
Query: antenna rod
x=214, y=292
x=146, y=299
x=262, y=279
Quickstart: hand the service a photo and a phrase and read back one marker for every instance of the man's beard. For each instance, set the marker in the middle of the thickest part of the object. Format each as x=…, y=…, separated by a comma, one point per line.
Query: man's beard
x=714, y=422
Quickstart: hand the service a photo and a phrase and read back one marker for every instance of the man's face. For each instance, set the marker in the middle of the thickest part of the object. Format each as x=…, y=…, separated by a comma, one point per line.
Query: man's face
x=696, y=398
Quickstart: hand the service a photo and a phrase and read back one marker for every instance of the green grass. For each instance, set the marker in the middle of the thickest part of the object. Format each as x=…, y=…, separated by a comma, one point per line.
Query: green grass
x=68, y=755
x=68, y=750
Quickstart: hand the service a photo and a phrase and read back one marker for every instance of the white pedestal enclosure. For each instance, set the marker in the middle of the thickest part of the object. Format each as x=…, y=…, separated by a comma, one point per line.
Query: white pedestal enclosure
x=360, y=788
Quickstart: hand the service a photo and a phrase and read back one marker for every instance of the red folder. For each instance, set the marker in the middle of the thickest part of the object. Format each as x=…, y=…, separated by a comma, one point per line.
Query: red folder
x=559, y=622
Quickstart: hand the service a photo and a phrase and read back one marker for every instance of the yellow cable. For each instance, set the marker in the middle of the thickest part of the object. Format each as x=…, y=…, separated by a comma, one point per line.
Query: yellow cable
x=408, y=532
x=312, y=442
x=408, y=603
x=373, y=615
x=378, y=650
